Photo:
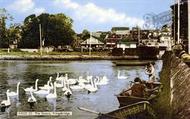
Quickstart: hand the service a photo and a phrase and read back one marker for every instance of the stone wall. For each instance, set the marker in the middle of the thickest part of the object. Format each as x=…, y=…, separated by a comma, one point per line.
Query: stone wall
x=174, y=101
x=180, y=83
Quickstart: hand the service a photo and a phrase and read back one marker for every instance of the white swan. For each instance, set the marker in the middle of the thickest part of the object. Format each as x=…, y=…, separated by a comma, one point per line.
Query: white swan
x=82, y=80
x=27, y=90
x=14, y=94
x=59, y=78
x=92, y=87
x=69, y=80
x=6, y=103
x=68, y=92
x=78, y=87
x=64, y=85
x=47, y=86
x=31, y=100
x=88, y=78
x=43, y=93
x=60, y=85
x=101, y=81
x=119, y=76
x=52, y=95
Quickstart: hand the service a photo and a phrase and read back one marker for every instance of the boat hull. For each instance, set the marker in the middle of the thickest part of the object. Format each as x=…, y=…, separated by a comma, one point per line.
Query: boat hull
x=140, y=110
x=127, y=100
x=133, y=63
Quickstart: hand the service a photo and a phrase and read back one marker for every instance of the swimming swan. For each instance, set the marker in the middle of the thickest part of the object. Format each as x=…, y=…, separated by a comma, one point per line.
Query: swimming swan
x=14, y=94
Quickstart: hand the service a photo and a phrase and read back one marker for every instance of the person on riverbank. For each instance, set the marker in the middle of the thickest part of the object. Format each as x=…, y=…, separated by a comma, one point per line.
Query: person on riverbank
x=150, y=71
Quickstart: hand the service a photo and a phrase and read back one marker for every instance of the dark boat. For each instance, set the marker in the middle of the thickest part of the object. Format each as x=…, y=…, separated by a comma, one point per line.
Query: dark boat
x=132, y=63
x=139, y=110
x=143, y=52
x=127, y=100
x=147, y=52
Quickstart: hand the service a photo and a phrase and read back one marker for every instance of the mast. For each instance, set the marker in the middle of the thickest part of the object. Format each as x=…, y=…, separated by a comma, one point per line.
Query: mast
x=188, y=5
x=90, y=43
x=178, y=22
x=40, y=30
x=174, y=24
x=138, y=34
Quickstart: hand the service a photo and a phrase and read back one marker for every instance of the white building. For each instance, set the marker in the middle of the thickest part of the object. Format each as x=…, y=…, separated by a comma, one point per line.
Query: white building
x=166, y=42
x=121, y=30
x=124, y=45
x=93, y=42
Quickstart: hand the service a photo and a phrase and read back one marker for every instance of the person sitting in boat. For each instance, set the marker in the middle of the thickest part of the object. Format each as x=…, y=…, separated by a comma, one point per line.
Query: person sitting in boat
x=138, y=89
x=150, y=71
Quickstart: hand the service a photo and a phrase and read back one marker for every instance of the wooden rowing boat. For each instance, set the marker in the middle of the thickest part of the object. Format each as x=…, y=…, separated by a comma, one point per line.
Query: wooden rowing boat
x=127, y=100
x=139, y=110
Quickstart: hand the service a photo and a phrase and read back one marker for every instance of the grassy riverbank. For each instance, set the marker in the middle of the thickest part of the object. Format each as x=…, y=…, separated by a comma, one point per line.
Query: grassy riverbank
x=19, y=55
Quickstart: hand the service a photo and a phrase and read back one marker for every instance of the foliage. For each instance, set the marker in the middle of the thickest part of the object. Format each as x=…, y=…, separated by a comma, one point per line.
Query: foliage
x=85, y=34
x=3, y=31
x=76, y=42
x=102, y=37
x=14, y=33
x=56, y=30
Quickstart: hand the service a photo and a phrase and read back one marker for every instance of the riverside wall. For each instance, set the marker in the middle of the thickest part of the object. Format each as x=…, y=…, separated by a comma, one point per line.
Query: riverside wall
x=174, y=100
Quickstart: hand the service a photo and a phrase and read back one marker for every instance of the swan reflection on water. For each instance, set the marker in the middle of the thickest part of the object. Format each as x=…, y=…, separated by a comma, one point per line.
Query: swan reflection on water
x=121, y=76
x=52, y=103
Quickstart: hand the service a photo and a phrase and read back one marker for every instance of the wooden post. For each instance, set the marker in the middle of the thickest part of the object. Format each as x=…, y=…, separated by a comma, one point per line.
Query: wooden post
x=90, y=43
x=178, y=22
x=188, y=5
x=40, y=30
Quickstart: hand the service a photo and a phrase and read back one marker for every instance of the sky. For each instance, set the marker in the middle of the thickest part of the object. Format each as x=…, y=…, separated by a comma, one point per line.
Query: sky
x=93, y=15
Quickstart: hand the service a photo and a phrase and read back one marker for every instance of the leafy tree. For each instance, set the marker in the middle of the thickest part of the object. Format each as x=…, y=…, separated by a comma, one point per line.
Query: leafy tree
x=76, y=42
x=30, y=32
x=3, y=42
x=56, y=30
x=85, y=34
x=3, y=31
x=14, y=33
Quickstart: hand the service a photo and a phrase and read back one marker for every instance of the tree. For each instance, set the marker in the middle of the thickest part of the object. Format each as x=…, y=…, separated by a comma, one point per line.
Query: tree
x=76, y=42
x=3, y=31
x=85, y=34
x=14, y=34
x=30, y=33
x=56, y=30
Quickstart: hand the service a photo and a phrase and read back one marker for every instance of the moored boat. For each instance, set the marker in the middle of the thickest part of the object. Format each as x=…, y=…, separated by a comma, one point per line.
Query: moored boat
x=125, y=100
x=132, y=63
x=139, y=110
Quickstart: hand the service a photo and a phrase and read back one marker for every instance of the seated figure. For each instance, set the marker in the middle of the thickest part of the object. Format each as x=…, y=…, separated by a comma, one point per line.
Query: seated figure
x=138, y=89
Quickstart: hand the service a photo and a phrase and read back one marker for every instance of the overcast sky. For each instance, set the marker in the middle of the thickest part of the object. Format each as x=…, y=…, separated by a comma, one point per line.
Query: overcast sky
x=94, y=15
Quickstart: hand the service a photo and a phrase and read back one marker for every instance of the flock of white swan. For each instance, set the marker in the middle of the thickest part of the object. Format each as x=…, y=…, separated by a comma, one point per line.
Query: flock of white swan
x=48, y=91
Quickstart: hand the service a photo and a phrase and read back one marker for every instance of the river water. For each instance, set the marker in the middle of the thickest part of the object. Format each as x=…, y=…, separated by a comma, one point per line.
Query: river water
x=104, y=100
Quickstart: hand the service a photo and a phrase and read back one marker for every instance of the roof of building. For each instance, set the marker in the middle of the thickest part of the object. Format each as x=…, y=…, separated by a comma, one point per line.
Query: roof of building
x=127, y=42
x=119, y=28
x=92, y=41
